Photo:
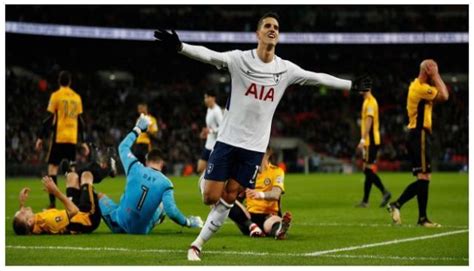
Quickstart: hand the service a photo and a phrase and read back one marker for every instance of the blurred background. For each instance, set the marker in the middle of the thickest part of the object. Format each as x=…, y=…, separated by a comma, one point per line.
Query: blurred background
x=314, y=129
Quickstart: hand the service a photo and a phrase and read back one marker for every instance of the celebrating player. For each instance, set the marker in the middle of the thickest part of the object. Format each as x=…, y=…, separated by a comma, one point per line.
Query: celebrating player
x=82, y=214
x=146, y=188
x=423, y=92
x=263, y=204
x=369, y=146
x=213, y=121
x=65, y=119
x=144, y=141
x=259, y=79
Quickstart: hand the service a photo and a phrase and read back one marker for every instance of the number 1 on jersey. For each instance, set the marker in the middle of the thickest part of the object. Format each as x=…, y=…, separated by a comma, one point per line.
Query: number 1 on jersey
x=142, y=197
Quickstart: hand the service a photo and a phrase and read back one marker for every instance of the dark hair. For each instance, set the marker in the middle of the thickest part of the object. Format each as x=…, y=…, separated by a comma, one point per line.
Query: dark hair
x=270, y=152
x=211, y=92
x=268, y=15
x=143, y=103
x=64, y=78
x=20, y=227
x=155, y=155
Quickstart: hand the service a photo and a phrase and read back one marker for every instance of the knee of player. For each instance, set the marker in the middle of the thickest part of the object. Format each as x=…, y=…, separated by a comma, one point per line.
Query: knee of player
x=268, y=224
x=87, y=177
x=210, y=199
x=72, y=180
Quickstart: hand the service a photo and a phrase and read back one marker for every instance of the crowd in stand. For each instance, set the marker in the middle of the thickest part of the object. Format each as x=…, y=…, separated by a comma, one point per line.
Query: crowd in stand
x=173, y=86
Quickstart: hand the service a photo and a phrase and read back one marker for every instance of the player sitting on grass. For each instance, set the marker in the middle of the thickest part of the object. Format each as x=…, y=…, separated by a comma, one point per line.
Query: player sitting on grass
x=146, y=188
x=82, y=214
x=263, y=204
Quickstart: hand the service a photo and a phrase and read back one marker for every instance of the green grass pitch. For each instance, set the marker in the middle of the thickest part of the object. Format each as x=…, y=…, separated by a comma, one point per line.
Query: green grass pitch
x=326, y=229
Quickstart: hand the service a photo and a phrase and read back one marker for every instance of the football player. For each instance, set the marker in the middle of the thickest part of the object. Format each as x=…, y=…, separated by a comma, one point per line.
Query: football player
x=82, y=213
x=146, y=188
x=426, y=90
x=262, y=216
x=259, y=79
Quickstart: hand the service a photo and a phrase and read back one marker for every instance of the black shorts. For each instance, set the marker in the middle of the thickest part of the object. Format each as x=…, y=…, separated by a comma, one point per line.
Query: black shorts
x=88, y=203
x=259, y=219
x=370, y=153
x=140, y=151
x=97, y=172
x=419, y=148
x=229, y=162
x=205, y=154
x=59, y=151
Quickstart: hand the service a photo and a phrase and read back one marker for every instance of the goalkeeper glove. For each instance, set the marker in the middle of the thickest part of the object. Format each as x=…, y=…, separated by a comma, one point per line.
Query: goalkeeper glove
x=363, y=83
x=142, y=124
x=194, y=222
x=170, y=41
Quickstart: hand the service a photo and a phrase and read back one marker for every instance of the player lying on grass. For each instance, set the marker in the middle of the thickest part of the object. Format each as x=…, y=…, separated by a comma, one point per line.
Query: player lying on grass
x=259, y=80
x=82, y=213
x=146, y=188
x=263, y=204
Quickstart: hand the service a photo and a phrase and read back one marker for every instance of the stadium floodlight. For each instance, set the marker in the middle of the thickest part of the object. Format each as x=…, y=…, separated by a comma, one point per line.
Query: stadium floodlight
x=94, y=32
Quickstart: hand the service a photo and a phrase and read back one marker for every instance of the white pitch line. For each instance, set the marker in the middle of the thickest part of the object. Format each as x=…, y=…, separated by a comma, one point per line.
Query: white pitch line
x=386, y=243
x=247, y=253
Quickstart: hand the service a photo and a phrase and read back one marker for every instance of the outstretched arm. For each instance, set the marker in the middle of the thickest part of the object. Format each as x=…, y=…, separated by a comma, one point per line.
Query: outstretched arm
x=203, y=54
x=175, y=214
x=171, y=42
x=304, y=77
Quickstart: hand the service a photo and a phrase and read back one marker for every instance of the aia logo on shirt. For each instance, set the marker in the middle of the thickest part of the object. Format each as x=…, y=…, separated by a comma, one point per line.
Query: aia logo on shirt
x=58, y=219
x=260, y=93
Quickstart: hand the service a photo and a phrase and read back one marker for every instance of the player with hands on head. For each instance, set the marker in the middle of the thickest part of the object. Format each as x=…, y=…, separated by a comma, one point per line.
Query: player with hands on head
x=425, y=91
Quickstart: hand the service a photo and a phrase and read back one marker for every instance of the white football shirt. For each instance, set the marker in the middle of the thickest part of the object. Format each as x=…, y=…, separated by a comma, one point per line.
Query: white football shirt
x=256, y=90
x=213, y=123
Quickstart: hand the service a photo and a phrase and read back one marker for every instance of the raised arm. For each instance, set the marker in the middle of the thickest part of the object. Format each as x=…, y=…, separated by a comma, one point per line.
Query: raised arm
x=443, y=94
x=171, y=42
x=125, y=147
x=23, y=197
x=51, y=188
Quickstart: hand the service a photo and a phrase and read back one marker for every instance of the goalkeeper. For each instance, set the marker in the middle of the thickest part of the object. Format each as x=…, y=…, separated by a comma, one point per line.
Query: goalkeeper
x=146, y=188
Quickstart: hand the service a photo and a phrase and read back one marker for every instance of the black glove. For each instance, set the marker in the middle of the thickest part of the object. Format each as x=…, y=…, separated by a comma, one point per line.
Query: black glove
x=363, y=83
x=169, y=41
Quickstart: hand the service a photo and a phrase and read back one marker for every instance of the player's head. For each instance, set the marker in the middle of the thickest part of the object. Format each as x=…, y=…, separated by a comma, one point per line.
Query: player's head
x=365, y=93
x=267, y=156
x=428, y=68
x=154, y=159
x=23, y=221
x=268, y=29
x=210, y=98
x=142, y=108
x=64, y=79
